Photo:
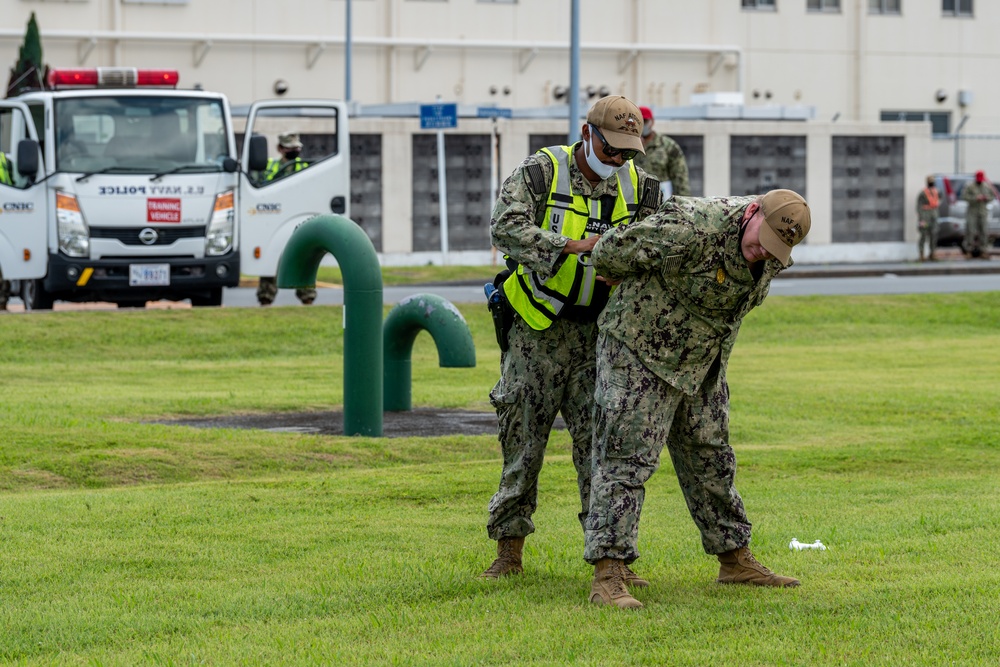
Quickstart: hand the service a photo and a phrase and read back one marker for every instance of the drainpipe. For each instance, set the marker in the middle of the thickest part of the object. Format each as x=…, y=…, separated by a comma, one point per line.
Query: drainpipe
x=116, y=26
x=359, y=265
x=421, y=312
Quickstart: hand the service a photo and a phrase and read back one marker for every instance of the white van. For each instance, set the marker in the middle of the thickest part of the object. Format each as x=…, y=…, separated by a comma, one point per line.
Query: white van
x=126, y=189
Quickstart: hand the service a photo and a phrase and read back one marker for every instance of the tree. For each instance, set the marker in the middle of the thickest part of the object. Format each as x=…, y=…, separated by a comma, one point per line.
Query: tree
x=28, y=73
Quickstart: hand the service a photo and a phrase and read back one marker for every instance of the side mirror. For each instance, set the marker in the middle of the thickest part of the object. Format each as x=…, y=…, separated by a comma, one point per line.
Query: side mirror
x=230, y=166
x=258, y=153
x=27, y=158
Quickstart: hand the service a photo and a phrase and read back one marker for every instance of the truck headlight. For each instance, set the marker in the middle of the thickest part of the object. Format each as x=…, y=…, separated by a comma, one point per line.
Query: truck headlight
x=219, y=235
x=71, y=228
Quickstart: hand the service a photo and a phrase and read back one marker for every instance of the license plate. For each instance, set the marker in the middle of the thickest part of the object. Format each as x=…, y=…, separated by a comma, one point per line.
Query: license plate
x=142, y=275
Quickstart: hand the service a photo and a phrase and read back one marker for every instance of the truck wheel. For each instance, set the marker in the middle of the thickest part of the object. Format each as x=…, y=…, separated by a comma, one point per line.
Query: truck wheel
x=34, y=295
x=214, y=298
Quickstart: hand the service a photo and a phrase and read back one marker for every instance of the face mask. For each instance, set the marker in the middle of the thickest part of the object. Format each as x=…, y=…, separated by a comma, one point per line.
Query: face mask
x=647, y=130
x=602, y=170
x=291, y=155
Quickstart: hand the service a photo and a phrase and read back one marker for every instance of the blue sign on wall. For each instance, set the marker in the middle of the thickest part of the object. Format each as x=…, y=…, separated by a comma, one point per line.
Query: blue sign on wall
x=438, y=116
x=494, y=112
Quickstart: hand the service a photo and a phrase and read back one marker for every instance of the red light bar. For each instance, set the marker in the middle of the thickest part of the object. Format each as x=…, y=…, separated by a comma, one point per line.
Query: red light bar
x=72, y=77
x=113, y=77
x=156, y=77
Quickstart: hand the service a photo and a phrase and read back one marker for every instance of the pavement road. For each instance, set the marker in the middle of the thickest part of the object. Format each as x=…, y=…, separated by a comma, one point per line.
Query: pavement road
x=889, y=283
x=902, y=278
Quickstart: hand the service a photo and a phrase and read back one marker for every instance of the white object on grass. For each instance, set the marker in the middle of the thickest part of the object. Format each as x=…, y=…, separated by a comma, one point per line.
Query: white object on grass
x=799, y=546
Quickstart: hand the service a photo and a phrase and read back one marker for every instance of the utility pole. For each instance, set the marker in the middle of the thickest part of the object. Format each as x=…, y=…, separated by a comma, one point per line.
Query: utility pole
x=347, y=54
x=574, y=73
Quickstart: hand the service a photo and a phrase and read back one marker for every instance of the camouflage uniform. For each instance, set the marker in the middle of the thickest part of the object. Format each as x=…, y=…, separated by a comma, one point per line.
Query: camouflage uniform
x=267, y=291
x=976, y=236
x=927, y=221
x=6, y=178
x=664, y=159
x=664, y=345
x=4, y=292
x=543, y=372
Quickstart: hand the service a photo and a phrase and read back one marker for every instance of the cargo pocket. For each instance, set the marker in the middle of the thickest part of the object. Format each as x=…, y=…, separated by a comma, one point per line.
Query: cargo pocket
x=616, y=423
x=506, y=398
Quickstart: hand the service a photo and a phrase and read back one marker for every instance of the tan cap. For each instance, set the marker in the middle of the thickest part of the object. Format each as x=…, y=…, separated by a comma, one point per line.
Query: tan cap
x=787, y=219
x=290, y=140
x=619, y=121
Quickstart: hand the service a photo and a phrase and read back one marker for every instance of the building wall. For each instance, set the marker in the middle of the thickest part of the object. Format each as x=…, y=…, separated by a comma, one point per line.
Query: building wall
x=848, y=66
x=861, y=180
x=849, y=63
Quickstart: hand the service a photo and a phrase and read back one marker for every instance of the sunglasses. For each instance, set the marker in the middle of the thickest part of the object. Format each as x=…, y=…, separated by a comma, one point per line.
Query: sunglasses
x=610, y=151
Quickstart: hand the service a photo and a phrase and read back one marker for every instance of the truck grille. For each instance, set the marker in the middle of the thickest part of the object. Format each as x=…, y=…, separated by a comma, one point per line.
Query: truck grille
x=130, y=235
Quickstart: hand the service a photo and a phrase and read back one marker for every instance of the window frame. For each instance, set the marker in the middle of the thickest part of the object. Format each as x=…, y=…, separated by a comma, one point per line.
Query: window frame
x=939, y=120
x=756, y=6
x=824, y=7
x=883, y=8
x=956, y=9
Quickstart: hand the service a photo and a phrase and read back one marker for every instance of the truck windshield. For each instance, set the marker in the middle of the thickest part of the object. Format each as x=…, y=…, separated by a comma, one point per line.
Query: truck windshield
x=134, y=134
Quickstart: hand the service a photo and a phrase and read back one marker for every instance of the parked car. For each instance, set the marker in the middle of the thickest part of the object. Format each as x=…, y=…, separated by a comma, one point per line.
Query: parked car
x=952, y=210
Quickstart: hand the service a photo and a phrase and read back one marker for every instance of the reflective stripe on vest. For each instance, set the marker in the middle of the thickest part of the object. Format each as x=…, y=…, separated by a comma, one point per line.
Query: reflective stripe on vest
x=575, y=216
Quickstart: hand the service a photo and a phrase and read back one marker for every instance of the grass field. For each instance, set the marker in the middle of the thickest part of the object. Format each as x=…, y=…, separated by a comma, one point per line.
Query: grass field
x=410, y=275
x=871, y=423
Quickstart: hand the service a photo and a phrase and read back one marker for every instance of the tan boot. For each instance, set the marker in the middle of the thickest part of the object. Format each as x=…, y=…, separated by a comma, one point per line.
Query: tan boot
x=508, y=559
x=740, y=567
x=609, y=585
x=633, y=579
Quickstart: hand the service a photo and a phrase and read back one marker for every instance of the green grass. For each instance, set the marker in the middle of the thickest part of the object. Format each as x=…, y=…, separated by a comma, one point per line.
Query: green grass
x=416, y=275
x=870, y=423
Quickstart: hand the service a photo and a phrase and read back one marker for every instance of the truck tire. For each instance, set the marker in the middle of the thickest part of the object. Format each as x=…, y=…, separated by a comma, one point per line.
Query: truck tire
x=214, y=298
x=34, y=295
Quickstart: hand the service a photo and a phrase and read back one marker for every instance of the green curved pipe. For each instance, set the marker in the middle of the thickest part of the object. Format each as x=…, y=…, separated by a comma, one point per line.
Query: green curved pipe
x=355, y=254
x=421, y=312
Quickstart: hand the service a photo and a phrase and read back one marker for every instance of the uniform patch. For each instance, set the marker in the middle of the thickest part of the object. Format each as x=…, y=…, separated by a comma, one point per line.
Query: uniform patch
x=672, y=264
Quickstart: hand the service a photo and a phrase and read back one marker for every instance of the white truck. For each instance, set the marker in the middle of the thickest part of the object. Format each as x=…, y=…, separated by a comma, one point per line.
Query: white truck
x=123, y=188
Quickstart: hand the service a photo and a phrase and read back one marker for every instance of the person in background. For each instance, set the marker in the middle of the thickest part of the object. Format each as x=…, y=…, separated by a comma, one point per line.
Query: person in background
x=686, y=276
x=6, y=178
x=548, y=215
x=290, y=162
x=663, y=159
x=978, y=195
x=927, y=219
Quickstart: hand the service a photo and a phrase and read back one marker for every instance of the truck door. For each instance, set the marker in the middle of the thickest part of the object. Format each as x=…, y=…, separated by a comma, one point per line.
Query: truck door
x=23, y=226
x=308, y=174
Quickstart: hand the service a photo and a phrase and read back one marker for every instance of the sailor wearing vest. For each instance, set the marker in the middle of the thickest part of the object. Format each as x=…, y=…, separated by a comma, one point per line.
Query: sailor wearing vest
x=550, y=212
x=290, y=147
x=6, y=178
x=927, y=219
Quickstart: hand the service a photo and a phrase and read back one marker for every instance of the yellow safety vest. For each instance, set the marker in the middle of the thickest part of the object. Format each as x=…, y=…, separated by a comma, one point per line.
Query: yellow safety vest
x=274, y=167
x=575, y=216
x=6, y=176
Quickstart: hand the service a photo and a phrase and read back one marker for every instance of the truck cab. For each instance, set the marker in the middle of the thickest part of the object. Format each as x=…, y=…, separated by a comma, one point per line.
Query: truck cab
x=138, y=193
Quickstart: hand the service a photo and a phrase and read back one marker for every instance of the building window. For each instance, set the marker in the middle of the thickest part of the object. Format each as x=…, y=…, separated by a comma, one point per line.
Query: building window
x=940, y=120
x=759, y=4
x=884, y=6
x=823, y=5
x=956, y=7
x=500, y=2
